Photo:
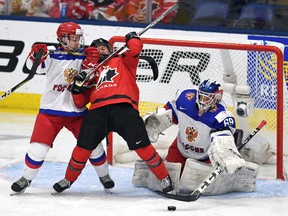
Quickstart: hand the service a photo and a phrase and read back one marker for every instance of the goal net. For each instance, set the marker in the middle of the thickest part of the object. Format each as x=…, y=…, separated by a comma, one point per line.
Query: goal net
x=251, y=73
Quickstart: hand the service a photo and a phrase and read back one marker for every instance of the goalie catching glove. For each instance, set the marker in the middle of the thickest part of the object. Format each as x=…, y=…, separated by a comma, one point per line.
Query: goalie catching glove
x=224, y=153
x=156, y=123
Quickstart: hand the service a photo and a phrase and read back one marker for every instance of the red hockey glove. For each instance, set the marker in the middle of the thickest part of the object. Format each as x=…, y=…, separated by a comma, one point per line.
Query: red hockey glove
x=92, y=57
x=35, y=49
x=129, y=36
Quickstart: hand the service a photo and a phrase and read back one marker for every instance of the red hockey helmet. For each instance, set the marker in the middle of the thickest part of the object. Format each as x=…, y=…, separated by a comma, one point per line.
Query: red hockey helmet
x=70, y=31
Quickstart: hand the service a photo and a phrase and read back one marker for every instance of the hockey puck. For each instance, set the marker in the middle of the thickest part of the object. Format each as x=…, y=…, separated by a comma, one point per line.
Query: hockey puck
x=171, y=208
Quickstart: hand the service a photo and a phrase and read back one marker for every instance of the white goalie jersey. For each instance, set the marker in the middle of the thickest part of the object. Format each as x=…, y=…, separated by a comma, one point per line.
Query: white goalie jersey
x=194, y=139
x=60, y=69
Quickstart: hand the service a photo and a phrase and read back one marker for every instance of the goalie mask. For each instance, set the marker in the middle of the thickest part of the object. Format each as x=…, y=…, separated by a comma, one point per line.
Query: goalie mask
x=70, y=36
x=103, y=47
x=209, y=94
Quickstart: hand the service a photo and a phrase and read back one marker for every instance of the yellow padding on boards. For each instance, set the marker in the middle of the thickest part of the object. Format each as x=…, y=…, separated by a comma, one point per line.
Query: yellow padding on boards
x=20, y=102
x=29, y=103
x=146, y=107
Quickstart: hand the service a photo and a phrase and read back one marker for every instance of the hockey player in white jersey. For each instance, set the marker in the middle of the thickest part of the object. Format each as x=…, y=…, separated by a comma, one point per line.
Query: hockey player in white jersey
x=57, y=108
x=205, y=139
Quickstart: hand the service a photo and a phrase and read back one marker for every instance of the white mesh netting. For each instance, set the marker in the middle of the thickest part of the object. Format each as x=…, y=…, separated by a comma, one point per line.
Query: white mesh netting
x=183, y=65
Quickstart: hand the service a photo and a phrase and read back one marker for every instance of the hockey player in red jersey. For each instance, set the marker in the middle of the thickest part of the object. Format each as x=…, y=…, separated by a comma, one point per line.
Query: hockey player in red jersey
x=57, y=108
x=114, y=107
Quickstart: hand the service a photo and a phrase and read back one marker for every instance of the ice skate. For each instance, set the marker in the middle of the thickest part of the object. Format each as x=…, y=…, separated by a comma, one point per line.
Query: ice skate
x=20, y=186
x=107, y=183
x=61, y=186
x=167, y=185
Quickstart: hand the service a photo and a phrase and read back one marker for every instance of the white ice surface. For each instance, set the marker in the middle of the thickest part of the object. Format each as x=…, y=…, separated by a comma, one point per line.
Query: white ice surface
x=86, y=196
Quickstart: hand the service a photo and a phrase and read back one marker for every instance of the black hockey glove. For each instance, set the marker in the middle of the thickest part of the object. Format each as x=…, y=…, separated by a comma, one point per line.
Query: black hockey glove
x=79, y=80
x=131, y=35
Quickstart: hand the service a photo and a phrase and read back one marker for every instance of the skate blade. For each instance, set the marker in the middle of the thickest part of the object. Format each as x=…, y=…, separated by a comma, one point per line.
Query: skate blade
x=108, y=190
x=55, y=192
x=13, y=193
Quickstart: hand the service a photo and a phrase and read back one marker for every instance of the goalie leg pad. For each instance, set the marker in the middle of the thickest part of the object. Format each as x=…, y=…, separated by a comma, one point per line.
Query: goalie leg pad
x=259, y=153
x=143, y=177
x=195, y=172
x=243, y=180
x=140, y=174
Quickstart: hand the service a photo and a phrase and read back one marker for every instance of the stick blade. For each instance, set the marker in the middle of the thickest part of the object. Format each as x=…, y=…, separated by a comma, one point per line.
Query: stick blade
x=184, y=198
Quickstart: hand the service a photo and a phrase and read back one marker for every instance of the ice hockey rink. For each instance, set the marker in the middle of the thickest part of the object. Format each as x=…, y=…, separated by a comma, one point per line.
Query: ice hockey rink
x=86, y=196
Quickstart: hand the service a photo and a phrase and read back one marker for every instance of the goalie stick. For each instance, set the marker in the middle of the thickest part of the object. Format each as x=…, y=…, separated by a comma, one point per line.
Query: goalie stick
x=195, y=195
x=33, y=70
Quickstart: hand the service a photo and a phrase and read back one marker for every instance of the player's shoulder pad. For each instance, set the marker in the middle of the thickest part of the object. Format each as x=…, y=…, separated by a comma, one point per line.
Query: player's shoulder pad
x=187, y=94
x=51, y=48
x=223, y=114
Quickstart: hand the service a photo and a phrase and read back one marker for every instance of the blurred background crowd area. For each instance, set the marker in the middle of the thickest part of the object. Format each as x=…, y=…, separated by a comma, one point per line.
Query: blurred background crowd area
x=242, y=14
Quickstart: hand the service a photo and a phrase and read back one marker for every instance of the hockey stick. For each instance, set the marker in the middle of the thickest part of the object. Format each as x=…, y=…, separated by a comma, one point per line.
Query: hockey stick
x=33, y=70
x=211, y=178
x=61, y=52
x=151, y=61
x=116, y=52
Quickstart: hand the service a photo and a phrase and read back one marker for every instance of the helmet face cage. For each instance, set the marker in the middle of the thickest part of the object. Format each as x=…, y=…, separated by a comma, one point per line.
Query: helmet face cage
x=70, y=36
x=102, y=42
x=209, y=94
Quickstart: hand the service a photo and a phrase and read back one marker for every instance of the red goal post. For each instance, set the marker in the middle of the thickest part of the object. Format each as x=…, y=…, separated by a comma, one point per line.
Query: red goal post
x=184, y=63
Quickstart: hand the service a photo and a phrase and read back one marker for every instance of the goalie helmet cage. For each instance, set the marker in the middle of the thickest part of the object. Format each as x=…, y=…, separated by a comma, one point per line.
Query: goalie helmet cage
x=184, y=64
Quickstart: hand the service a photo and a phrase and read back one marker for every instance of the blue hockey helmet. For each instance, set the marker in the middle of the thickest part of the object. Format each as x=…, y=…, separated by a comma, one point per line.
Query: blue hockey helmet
x=209, y=94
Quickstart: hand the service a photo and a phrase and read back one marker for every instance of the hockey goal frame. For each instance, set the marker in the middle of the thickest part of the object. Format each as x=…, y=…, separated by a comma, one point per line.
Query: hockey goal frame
x=231, y=46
